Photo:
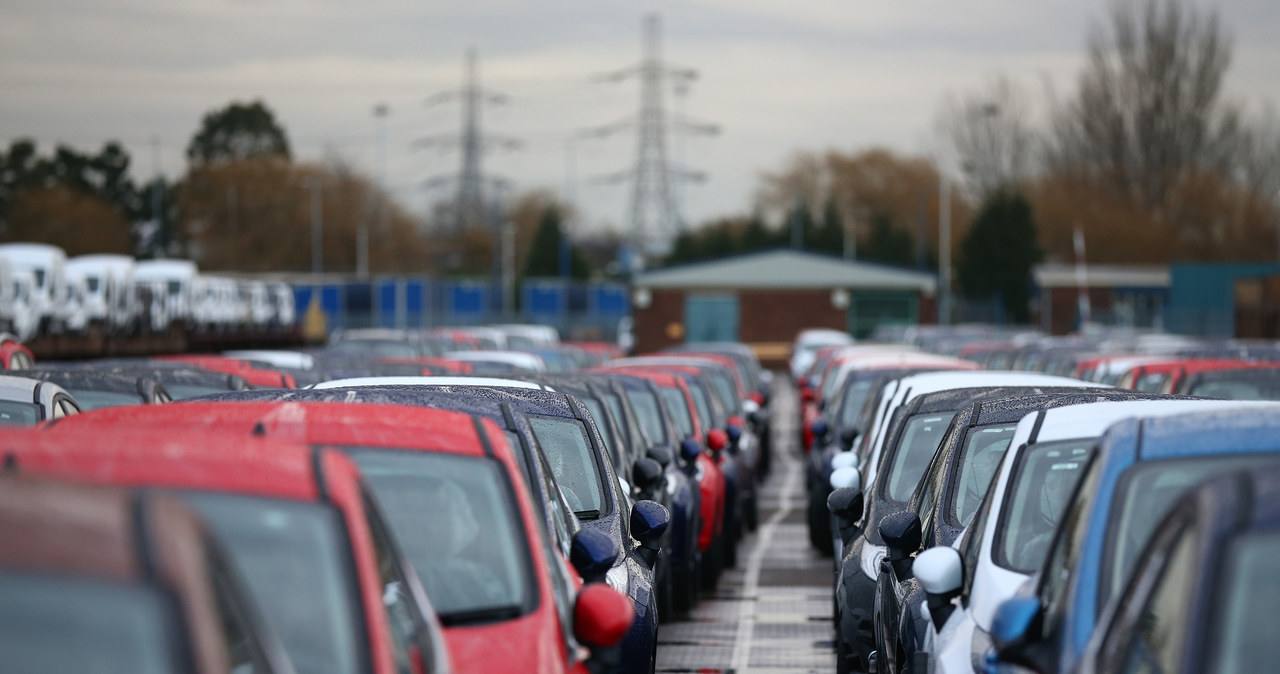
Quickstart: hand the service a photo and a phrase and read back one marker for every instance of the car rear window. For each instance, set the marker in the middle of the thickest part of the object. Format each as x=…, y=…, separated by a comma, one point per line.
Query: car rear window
x=291, y=555
x=564, y=442
x=456, y=520
x=62, y=624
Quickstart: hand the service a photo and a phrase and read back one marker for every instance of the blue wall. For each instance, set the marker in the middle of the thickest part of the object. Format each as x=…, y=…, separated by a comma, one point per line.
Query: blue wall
x=1202, y=296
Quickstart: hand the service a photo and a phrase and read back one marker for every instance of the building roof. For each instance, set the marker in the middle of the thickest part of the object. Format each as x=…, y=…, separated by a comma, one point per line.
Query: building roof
x=1102, y=276
x=787, y=269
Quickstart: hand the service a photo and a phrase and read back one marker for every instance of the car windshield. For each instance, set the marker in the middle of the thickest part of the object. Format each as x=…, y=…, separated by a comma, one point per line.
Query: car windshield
x=679, y=408
x=1042, y=482
x=92, y=400
x=292, y=556
x=1252, y=386
x=920, y=439
x=1245, y=640
x=983, y=449
x=62, y=624
x=376, y=347
x=456, y=520
x=13, y=413
x=184, y=391
x=568, y=450
x=1146, y=492
x=855, y=397
x=645, y=405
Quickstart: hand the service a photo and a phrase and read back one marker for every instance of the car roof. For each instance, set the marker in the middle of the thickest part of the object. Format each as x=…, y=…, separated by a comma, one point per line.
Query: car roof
x=1236, y=430
x=1088, y=420
x=13, y=387
x=958, y=398
x=1007, y=410
x=427, y=381
x=929, y=382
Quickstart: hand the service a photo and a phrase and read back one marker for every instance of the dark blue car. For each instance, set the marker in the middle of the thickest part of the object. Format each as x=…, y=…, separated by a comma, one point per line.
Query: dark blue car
x=1143, y=466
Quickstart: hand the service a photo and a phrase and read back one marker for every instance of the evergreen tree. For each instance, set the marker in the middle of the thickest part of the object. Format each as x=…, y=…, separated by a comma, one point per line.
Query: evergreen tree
x=238, y=131
x=756, y=236
x=544, y=252
x=828, y=237
x=998, y=253
x=887, y=243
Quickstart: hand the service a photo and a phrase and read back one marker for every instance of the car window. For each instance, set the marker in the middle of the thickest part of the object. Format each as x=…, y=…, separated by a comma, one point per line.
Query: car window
x=404, y=615
x=92, y=400
x=237, y=631
x=13, y=413
x=607, y=431
x=702, y=406
x=62, y=624
x=184, y=391
x=645, y=405
x=1157, y=644
x=455, y=519
x=851, y=403
x=290, y=554
x=983, y=449
x=906, y=465
x=1043, y=479
x=565, y=444
x=724, y=388
x=1245, y=611
x=1068, y=543
x=679, y=409
x=634, y=435
x=971, y=544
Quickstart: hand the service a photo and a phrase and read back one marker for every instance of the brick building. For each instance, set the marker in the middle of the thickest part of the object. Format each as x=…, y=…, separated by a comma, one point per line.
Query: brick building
x=764, y=299
x=1133, y=296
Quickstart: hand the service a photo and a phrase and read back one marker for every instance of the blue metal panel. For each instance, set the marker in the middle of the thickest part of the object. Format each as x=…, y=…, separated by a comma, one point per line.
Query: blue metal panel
x=1202, y=296
x=332, y=302
x=609, y=299
x=546, y=299
x=415, y=304
x=711, y=317
x=468, y=301
x=386, y=296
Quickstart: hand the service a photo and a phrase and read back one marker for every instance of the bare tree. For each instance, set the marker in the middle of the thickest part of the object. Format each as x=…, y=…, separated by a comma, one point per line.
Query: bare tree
x=991, y=135
x=1148, y=113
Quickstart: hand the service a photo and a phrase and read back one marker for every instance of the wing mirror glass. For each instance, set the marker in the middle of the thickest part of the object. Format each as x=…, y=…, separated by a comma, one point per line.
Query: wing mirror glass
x=901, y=534
x=592, y=553
x=847, y=438
x=940, y=571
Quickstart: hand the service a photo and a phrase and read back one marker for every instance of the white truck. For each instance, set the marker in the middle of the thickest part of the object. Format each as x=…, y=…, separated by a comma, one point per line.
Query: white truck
x=169, y=284
x=109, y=297
x=51, y=296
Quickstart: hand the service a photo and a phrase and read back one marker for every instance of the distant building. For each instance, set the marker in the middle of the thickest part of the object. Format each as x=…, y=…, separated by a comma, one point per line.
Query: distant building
x=1134, y=296
x=764, y=299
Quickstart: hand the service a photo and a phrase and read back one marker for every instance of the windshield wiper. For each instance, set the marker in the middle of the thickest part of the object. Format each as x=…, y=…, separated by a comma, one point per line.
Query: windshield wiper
x=587, y=514
x=480, y=615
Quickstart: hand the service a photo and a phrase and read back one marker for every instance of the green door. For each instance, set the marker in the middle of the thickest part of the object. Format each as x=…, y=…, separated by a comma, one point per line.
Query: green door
x=711, y=317
x=867, y=309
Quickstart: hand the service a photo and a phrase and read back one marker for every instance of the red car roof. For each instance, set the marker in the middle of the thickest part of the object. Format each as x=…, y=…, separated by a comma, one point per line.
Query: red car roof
x=257, y=376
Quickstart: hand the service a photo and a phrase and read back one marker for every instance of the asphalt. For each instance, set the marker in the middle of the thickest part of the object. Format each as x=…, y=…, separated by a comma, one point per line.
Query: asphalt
x=771, y=614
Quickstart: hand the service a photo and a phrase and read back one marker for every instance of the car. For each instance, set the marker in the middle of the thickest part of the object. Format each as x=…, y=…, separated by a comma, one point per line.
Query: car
x=1142, y=467
x=917, y=429
x=104, y=580
x=758, y=383
x=809, y=341
x=1010, y=534
x=14, y=355
x=187, y=382
x=295, y=521
x=381, y=342
x=93, y=389
x=491, y=361
x=1167, y=375
x=943, y=504
x=1251, y=383
x=256, y=376
x=1201, y=595
x=27, y=402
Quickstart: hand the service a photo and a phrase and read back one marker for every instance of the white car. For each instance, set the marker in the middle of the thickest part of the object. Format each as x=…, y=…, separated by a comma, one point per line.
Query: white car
x=520, y=360
x=27, y=402
x=528, y=336
x=808, y=342
x=429, y=381
x=1011, y=532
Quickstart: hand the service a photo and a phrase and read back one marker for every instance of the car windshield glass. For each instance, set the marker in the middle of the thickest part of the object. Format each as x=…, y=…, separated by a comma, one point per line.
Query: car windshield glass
x=919, y=443
x=855, y=397
x=62, y=624
x=1222, y=385
x=291, y=555
x=374, y=347
x=645, y=405
x=702, y=405
x=1246, y=636
x=184, y=391
x=1147, y=491
x=92, y=400
x=679, y=408
x=565, y=444
x=455, y=518
x=983, y=449
x=1044, y=479
x=13, y=413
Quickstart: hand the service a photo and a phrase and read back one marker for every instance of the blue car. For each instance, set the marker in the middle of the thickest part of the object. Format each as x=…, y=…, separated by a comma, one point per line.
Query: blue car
x=1143, y=466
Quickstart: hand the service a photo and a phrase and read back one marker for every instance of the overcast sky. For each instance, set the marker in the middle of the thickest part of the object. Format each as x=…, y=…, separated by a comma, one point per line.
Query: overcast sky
x=777, y=77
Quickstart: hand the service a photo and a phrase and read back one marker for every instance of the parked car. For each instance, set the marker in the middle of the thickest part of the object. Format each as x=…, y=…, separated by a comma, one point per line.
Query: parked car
x=1142, y=467
x=14, y=355
x=1248, y=383
x=809, y=341
x=50, y=296
x=94, y=389
x=102, y=580
x=27, y=402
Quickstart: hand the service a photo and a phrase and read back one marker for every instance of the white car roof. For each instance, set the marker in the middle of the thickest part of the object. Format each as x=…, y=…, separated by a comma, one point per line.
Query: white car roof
x=18, y=389
x=931, y=382
x=32, y=253
x=429, y=381
x=296, y=359
x=823, y=336
x=528, y=361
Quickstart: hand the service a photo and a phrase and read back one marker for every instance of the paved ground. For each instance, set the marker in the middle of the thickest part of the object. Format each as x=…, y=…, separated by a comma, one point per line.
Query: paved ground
x=771, y=614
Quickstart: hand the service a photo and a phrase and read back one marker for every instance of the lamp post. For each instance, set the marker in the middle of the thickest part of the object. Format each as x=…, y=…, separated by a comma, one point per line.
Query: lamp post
x=362, y=234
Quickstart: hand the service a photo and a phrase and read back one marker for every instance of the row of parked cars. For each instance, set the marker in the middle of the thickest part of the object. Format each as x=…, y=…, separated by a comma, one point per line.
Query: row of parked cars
x=43, y=292
x=1039, y=504
x=364, y=508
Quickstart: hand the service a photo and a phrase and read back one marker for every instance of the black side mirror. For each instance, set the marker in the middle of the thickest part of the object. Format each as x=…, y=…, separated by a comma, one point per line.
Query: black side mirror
x=662, y=454
x=592, y=554
x=649, y=520
x=645, y=474
x=846, y=504
x=756, y=417
x=902, y=536
x=847, y=438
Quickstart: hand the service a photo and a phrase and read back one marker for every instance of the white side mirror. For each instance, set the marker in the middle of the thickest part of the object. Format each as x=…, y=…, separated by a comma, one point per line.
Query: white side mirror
x=750, y=406
x=939, y=570
x=843, y=460
x=846, y=477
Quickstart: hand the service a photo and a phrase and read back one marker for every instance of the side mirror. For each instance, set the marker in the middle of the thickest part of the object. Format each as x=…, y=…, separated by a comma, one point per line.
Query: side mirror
x=717, y=439
x=847, y=438
x=846, y=504
x=662, y=454
x=756, y=417
x=649, y=520
x=901, y=534
x=940, y=571
x=646, y=473
x=592, y=554
x=756, y=398
x=750, y=405
x=843, y=460
x=734, y=431
x=1015, y=632
x=602, y=616
x=807, y=395
x=845, y=477
x=690, y=449
x=819, y=429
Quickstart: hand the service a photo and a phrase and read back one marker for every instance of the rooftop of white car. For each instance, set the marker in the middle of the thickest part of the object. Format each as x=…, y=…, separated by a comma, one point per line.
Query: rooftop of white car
x=428, y=381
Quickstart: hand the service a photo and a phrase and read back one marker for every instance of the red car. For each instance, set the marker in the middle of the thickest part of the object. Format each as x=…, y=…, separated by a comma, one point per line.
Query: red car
x=294, y=521
x=476, y=554
x=101, y=580
x=432, y=364
x=13, y=354
x=257, y=376
x=1165, y=376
